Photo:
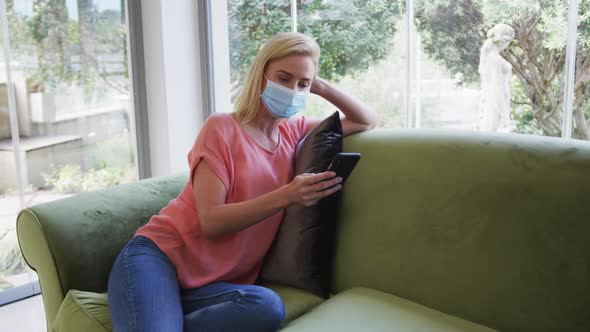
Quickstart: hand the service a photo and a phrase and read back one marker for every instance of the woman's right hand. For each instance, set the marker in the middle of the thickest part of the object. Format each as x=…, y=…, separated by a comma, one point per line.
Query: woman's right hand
x=308, y=188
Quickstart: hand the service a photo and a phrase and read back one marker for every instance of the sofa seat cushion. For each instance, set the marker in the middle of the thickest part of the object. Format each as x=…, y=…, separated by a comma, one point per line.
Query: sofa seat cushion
x=83, y=311
x=296, y=301
x=363, y=309
x=89, y=312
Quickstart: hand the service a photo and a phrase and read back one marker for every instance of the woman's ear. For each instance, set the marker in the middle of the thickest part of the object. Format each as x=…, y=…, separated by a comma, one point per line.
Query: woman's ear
x=263, y=85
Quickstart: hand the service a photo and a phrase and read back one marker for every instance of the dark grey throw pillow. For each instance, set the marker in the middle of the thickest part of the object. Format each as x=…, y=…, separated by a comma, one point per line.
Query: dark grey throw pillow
x=301, y=255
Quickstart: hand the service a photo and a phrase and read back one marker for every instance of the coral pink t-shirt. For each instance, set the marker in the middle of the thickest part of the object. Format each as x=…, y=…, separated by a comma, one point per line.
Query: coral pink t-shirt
x=247, y=171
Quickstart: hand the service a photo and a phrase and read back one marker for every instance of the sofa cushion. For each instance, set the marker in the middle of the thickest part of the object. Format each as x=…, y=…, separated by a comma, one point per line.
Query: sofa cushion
x=302, y=251
x=363, y=309
x=488, y=227
x=296, y=301
x=83, y=311
x=89, y=312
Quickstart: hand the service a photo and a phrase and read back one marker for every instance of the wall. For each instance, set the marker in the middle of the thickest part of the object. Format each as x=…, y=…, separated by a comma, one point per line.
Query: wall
x=173, y=81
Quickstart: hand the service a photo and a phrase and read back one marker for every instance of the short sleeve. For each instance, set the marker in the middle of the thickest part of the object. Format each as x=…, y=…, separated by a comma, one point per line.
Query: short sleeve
x=212, y=146
x=299, y=127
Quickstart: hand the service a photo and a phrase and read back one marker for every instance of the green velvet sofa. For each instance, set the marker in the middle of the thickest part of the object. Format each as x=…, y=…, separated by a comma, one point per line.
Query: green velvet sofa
x=440, y=231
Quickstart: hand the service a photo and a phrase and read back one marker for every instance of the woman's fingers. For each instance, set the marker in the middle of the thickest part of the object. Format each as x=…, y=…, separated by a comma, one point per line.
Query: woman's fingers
x=313, y=187
x=322, y=185
x=315, y=178
x=317, y=195
x=328, y=192
x=326, y=184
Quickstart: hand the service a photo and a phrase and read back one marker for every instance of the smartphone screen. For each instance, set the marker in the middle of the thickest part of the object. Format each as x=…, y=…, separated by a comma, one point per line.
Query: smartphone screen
x=343, y=164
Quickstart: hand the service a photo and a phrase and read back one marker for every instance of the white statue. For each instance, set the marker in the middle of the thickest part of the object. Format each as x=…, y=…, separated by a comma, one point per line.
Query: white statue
x=495, y=73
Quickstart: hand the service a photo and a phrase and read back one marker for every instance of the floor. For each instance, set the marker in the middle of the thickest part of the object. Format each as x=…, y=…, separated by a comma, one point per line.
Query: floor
x=23, y=316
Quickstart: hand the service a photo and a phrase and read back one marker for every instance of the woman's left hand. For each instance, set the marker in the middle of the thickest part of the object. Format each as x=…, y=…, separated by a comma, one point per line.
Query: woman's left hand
x=318, y=85
x=358, y=115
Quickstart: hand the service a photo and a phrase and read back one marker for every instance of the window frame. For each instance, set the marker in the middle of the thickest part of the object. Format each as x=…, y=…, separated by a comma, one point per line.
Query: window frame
x=218, y=62
x=139, y=129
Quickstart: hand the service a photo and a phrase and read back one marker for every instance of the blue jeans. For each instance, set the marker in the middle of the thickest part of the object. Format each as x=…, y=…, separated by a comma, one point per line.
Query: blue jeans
x=144, y=295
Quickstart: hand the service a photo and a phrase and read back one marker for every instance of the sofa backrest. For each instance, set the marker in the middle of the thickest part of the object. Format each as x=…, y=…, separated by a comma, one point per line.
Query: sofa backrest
x=492, y=228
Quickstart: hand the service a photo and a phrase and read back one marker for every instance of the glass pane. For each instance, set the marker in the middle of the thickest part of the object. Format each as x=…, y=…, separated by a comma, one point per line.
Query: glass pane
x=360, y=41
x=581, y=125
x=490, y=65
x=362, y=52
x=250, y=23
x=13, y=270
x=71, y=77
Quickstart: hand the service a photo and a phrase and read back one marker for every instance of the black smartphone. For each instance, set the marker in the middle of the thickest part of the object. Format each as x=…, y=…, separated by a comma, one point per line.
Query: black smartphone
x=343, y=163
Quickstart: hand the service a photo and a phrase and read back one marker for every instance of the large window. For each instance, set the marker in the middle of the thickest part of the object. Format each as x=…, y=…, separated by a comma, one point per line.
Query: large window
x=500, y=58
x=69, y=71
x=482, y=65
x=360, y=52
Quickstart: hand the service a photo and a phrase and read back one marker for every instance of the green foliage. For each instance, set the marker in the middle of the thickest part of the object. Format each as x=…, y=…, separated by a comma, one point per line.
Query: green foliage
x=453, y=32
x=374, y=86
x=352, y=34
x=65, y=179
x=96, y=179
x=70, y=178
x=114, y=165
x=522, y=112
x=48, y=29
x=49, y=42
x=503, y=11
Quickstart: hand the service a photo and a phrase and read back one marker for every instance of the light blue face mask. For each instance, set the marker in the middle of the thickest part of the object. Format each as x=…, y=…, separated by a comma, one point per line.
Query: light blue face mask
x=281, y=101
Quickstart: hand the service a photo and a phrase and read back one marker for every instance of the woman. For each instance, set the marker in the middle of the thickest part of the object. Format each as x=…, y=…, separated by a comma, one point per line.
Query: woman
x=192, y=266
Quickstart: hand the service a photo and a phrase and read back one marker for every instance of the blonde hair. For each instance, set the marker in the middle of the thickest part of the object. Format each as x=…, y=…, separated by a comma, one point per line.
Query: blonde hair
x=276, y=47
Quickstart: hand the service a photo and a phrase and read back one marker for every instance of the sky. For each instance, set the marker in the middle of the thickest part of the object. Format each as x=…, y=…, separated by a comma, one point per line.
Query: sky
x=26, y=6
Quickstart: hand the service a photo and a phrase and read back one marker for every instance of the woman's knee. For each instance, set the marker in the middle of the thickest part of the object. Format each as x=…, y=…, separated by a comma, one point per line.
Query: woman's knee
x=270, y=306
x=142, y=282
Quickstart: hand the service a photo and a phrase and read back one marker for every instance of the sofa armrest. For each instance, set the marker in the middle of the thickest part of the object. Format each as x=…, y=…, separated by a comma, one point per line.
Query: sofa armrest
x=73, y=242
x=35, y=250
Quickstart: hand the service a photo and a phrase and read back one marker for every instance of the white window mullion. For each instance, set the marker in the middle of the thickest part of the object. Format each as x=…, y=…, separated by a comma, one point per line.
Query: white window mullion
x=570, y=69
x=409, y=61
x=294, y=15
x=12, y=105
x=418, y=93
x=219, y=57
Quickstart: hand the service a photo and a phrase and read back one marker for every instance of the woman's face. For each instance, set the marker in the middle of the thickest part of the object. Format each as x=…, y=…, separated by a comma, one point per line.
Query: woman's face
x=293, y=71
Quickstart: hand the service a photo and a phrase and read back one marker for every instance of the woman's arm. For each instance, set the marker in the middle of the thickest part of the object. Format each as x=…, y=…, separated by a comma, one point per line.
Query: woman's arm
x=358, y=115
x=217, y=218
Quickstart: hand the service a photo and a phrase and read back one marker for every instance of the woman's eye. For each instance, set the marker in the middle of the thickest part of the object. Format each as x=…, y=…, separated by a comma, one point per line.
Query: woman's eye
x=304, y=86
x=283, y=79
